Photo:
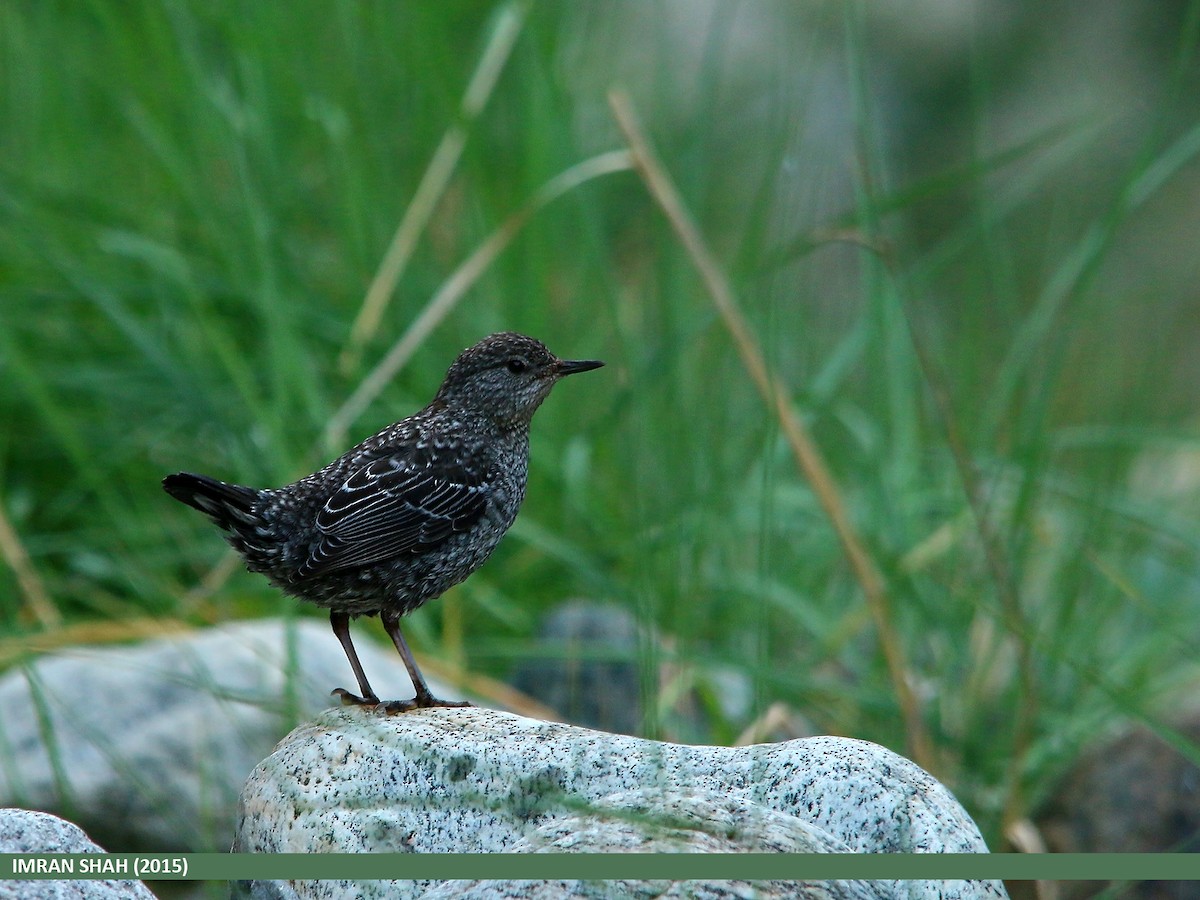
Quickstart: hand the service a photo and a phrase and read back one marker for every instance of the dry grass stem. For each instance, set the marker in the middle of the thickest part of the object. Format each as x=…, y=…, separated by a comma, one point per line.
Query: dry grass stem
x=776, y=717
x=454, y=287
x=433, y=182
x=212, y=580
x=37, y=600
x=88, y=633
x=775, y=394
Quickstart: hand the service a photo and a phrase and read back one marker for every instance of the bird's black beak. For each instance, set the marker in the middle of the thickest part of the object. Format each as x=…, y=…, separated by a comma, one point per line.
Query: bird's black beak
x=571, y=366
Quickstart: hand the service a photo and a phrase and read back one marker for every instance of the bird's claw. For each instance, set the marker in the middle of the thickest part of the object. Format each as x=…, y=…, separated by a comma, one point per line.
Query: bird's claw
x=349, y=699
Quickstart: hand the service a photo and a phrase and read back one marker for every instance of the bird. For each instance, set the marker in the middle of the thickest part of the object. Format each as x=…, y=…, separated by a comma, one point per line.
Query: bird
x=404, y=515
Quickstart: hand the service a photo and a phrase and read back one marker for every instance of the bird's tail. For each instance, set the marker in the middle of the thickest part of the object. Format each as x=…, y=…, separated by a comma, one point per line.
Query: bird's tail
x=230, y=506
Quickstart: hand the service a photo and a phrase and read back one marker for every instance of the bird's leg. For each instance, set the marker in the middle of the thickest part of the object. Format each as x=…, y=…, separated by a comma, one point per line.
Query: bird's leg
x=424, y=699
x=341, y=627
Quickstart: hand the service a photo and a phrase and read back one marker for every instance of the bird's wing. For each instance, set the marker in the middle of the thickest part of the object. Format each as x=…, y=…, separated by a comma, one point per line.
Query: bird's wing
x=395, y=505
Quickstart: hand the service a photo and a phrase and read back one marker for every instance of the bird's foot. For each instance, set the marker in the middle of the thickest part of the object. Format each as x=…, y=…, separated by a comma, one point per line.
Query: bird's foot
x=349, y=699
x=395, y=707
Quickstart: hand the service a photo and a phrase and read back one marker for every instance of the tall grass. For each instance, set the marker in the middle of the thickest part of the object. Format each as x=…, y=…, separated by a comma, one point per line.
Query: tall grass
x=195, y=200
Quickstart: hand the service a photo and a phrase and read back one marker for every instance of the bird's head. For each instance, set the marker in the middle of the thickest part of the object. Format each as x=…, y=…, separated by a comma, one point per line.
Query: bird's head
x=506, y=377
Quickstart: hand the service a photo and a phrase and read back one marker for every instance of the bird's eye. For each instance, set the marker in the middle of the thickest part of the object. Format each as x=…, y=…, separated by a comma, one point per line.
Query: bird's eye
x=516, y=365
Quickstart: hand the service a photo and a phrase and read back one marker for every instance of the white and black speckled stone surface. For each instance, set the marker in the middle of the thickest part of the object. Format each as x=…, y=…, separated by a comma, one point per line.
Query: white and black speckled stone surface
x=475, y=780
x=26, y=831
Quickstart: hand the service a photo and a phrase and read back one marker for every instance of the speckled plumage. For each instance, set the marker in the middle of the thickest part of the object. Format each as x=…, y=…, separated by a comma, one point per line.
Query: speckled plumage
x=407, y=513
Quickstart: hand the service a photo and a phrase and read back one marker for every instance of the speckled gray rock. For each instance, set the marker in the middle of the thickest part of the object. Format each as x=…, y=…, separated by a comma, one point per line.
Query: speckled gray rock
x=151, y=742
x=24, y=831
x=474, y=780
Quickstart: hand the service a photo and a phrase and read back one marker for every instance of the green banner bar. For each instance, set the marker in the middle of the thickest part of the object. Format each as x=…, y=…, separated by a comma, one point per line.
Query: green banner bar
x=601, y=866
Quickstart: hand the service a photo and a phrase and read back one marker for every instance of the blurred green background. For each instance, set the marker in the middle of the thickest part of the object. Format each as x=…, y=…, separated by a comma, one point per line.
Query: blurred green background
x=964, y=236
